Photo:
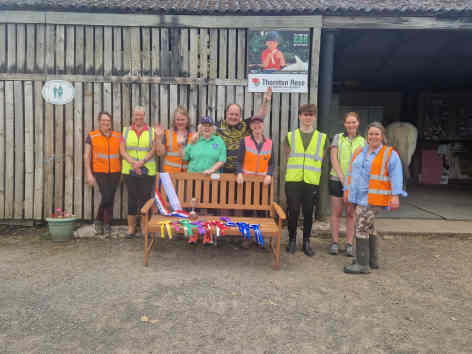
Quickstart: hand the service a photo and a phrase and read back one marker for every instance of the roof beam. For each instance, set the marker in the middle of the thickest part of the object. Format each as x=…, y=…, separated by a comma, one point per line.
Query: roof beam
x=407, y=23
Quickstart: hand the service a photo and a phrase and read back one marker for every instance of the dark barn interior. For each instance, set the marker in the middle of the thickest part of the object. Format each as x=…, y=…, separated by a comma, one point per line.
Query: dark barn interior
x=423, y=77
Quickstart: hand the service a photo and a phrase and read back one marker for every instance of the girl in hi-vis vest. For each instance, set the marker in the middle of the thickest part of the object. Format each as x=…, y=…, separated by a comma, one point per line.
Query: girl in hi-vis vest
x=374, y=181
x=342, y=147
x=171, y=143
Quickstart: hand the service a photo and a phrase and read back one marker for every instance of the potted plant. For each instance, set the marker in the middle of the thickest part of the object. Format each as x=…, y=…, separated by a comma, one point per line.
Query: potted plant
x=61, y=226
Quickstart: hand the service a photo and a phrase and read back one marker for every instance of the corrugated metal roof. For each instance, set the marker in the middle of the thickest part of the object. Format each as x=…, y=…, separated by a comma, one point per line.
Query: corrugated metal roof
x=253, y=7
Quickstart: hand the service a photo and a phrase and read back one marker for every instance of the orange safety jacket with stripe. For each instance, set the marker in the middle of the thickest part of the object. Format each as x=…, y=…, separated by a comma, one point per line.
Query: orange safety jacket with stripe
x=173, y=161
x=256, y=162
x=380, y=188
x=105, y=152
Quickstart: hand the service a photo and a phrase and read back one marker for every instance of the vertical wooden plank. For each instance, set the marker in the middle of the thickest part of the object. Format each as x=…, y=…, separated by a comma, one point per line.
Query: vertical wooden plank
x=146, y=53
x=155, y=50
x=69, y=158
x=248, y=193
x=154, y=113
x=60, y=49
x=78, y=149
x=165, y=59
x=3, y=46
x=214, y=190
x=70, y=49
x=29, y=150
x=222, y=56
x=79, y=50
x=241, y=62
x=20, y=47
x=183, y=97
x=59, y=157
x=223, y=194
x=206, y=191
x=184, y=52
x=127, y=50
x=2, y=146
x=9, y=149
x=98, y=50
x=116, y=92
x=135, y=51
x=117, y=51
x=213, y=73
x=107, y=98
x=11, y=50
x=294, y=111
x=30, y=47
x=50, y=56
x=231, y=194
x=193, y=104
x=239, y=193
x=145, y=101
x=232, y=54
x=40, y=47
x=49, y=161
x=97, y=107
x=38, y=151
x=257, y=194
x=284, y=120
x=202, y=90
x=221, y=102
x=173, y=100
x=126, y=119
x=276, y=139
x=135, y=96
x=230, y=95
x=194, y=51
x=164, y=106
x=107, y=51
x=248, y=102
x=19, y=150
x=88, y=121
x=89, y=53
x=315, y=64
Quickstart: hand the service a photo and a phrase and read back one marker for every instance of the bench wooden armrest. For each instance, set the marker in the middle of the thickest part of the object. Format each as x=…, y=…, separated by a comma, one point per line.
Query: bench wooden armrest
x=147, y=206
x=277, y=210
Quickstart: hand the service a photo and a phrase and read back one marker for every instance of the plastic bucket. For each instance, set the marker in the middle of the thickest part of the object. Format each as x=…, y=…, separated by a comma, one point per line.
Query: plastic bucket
x=61, y=229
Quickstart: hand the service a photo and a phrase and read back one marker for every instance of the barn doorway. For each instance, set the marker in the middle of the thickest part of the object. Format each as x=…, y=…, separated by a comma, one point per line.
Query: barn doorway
x=423, y=77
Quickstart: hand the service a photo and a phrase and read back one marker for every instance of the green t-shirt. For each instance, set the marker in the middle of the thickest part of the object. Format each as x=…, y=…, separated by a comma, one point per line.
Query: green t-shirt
x=205, y=153
x=306, y=138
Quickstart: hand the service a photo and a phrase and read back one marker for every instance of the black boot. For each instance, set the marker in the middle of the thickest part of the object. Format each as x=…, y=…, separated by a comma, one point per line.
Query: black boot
x=306, y=247
x=292, y=244
x=373, y=252
x=361, y=266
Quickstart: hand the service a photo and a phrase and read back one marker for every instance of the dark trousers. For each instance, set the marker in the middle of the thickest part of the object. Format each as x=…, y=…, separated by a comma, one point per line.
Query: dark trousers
x=107, y=184
x=139, y=192
x=306, y=195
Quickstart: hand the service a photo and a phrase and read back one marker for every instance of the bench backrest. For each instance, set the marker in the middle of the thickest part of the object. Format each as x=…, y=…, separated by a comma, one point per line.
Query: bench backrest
x=222, y=192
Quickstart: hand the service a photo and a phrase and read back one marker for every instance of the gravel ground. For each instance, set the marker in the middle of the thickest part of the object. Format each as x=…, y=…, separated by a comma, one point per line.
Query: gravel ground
x=95, y=296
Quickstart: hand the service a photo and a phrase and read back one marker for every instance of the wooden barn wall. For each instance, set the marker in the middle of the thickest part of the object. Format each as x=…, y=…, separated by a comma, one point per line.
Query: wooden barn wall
x=114, y=69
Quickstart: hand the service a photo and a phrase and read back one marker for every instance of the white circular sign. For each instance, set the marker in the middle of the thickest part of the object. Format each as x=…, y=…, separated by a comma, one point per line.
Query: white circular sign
x=58, y=92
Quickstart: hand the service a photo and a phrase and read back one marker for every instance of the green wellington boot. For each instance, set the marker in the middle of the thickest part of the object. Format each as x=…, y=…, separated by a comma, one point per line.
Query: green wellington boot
x=373, y=262
x=361, y=266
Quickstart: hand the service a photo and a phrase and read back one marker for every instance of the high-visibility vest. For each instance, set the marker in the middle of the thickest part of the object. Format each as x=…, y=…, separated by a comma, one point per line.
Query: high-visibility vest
x=173, y=161
x=138, y=148
x=346, y=148
x=105, y=152
x=256, y=162
x=305, y=165
x=380, y=188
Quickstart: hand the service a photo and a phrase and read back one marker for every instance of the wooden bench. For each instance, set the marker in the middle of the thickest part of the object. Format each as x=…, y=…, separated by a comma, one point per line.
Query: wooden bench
x=219, y=192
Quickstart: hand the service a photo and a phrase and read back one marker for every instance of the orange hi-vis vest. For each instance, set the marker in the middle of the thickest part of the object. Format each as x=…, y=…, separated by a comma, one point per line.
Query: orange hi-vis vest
x=173, y=161
x=380, y=188
x=256, y=162
x=105, y=152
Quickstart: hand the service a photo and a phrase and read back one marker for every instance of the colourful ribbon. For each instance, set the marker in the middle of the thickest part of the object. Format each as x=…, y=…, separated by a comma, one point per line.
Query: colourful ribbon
x=166, y=225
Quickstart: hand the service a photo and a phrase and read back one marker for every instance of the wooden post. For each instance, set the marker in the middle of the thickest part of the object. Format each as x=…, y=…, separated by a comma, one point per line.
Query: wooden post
x=325, y=95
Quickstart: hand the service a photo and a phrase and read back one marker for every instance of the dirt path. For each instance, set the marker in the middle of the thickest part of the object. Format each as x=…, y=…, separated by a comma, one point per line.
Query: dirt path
x=90, y=296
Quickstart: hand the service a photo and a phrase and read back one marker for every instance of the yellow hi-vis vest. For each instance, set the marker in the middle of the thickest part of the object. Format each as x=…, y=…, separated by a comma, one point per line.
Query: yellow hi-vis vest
x=138, y=148
x=346, y=148
x=305, y=165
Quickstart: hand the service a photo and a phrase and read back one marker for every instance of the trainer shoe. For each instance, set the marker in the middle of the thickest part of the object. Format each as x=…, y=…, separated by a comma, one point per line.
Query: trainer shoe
x=348, y=250
x=334, y=248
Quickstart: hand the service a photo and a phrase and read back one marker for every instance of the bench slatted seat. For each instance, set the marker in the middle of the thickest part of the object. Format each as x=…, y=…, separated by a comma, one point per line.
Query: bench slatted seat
x=219, y=192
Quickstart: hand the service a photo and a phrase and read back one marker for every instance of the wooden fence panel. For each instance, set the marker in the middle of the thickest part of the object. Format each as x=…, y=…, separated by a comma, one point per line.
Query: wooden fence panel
x=200, y=68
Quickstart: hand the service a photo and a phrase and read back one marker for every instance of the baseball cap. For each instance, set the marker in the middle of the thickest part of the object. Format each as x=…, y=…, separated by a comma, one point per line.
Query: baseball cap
x=272, y=36
x=257, y=118
x=206, y=120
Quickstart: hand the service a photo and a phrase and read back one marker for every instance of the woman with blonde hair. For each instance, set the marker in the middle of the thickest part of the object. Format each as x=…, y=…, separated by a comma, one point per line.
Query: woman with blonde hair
x=342, y=148
x=171, y=143
x=374, y=182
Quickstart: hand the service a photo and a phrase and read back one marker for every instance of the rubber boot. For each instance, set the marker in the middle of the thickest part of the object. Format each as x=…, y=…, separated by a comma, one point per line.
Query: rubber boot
x=373, y=252
x=131, y=226
x=98, y=227
x=306, y=246
x=362, y=258
x=292, y=244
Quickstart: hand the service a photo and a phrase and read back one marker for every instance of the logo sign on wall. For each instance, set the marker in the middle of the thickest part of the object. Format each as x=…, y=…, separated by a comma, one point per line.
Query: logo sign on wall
x=58, y=92
x=278, y=58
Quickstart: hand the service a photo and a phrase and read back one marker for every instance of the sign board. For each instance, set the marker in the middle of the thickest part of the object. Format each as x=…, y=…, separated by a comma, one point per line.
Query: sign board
x=278, y=59
x=58, y=92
